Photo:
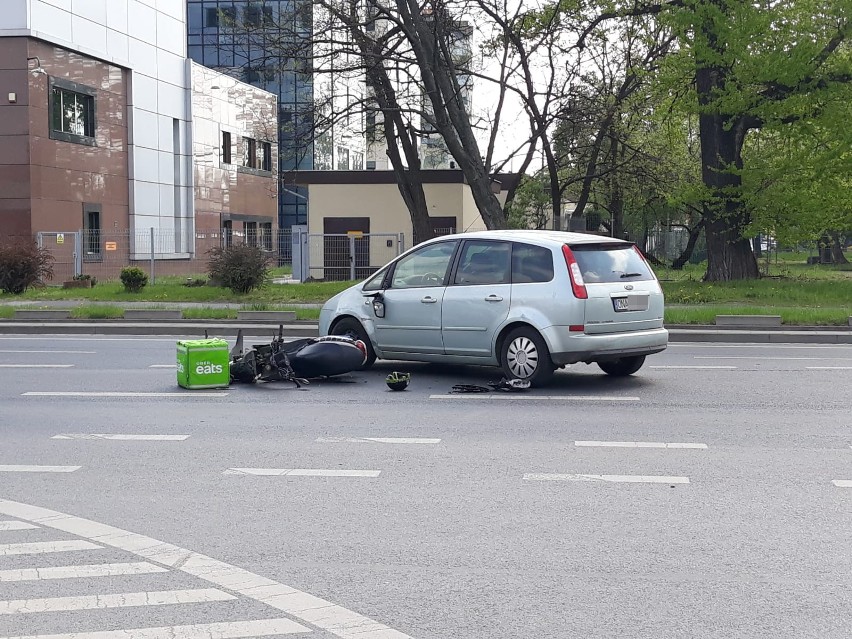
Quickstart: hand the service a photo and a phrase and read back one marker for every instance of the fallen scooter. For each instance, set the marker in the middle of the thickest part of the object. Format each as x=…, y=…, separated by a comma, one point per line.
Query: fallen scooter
x=295, y=361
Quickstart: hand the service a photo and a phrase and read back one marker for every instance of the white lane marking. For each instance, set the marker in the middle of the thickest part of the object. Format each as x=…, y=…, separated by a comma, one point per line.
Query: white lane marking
x=54, y=352
x=76, y=572
x=829, y=368
x=36, y=365
x=761, y=357
x=640, y=444
x=118, y=394
x=506, y=396
x=16, y=525
x=629, y=479
x=124, y=438
x=377, y=440
x=700, y=367
x=118, y=600
x=302, y=472
x=220, y=630
x=163, y=366
x=335, y=619
x=41, y=547
x=740, y=346
x=842, y=483
x=19, y=468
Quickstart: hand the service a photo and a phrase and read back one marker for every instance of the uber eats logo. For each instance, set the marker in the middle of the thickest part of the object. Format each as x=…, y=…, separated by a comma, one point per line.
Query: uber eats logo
x=207, y=368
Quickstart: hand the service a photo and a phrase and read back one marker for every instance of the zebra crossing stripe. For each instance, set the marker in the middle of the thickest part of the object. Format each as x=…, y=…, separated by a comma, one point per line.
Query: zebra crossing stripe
x=41, y=547
x=119, y=600
x=222, y=630
x=75, y=572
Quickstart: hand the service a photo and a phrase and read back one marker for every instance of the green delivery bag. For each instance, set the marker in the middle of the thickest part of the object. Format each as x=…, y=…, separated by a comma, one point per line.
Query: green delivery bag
x=203, y=363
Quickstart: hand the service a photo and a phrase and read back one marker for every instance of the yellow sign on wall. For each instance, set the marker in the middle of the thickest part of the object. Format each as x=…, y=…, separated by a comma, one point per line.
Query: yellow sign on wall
x=111, y=246
x=355, y=233
x=60, y=238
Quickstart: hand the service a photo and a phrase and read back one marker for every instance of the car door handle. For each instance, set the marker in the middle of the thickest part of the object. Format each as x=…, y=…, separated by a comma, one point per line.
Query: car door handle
x=493, y=298
x=428, y=300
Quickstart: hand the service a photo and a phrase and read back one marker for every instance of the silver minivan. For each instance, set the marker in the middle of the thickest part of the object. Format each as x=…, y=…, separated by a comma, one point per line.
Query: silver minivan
x=528, y=301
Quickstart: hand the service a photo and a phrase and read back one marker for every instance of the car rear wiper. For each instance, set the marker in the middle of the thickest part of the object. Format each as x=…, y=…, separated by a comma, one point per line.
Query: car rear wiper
x=623, y=275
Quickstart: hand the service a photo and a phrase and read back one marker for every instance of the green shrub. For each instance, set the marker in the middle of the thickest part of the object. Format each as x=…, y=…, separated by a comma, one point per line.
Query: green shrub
x=240, y=267
x=24, y=264
x=133, y=278
x=85, y=276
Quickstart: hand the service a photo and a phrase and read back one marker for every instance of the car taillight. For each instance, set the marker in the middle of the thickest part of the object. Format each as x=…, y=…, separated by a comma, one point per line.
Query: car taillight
x=577, y=283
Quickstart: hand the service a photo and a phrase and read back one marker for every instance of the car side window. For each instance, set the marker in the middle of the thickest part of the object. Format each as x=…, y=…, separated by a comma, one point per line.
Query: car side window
x=375, y=282
x=424, y=267
x=531, y=263
x=484, y=263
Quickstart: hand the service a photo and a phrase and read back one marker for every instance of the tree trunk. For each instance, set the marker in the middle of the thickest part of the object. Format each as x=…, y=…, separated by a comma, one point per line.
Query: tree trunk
x=837, y=256
x=729, y=254
x=683, y=258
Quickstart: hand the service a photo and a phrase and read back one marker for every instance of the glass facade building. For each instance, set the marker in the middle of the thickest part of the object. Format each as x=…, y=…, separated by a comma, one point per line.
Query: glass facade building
x=255, y=41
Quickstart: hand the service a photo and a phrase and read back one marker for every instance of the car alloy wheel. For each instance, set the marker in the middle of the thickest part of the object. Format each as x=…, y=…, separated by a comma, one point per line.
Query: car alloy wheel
x=525, y=356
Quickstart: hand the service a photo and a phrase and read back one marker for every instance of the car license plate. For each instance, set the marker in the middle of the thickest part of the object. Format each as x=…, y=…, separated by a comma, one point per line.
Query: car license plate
x=620, y=304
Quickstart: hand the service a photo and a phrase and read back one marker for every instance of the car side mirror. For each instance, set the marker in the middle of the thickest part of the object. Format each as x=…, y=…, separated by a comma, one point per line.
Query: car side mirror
x=378, y=304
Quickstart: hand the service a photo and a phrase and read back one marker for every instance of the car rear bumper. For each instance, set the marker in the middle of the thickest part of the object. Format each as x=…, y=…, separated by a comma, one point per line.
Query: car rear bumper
x=570, y=348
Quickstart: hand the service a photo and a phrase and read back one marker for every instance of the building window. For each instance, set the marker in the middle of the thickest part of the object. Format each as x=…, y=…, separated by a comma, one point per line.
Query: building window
x=72, y=112
x=342, y=158
x=250, y=153
x=226, y=147
x=357, y=161
x=252, y=15
x=251, y=233
x=92, y=231
x=227, y=233
x=266, y=236
x=266, y=156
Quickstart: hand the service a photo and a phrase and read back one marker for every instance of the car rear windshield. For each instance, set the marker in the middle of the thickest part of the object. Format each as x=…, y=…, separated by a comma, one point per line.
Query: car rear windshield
x=611, y=263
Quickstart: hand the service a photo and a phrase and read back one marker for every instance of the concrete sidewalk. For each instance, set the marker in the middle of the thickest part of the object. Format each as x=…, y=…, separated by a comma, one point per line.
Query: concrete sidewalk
x=228, y=328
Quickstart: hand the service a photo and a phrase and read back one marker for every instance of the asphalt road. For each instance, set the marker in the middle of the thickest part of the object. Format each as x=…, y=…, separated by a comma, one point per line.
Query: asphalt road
x=709, y=496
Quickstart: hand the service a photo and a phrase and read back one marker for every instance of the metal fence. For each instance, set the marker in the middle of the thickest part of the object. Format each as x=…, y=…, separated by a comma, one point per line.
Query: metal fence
x=102, y=254
x=346, y=256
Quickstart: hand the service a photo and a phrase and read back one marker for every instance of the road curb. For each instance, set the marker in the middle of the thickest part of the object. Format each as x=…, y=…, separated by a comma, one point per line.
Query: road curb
x=182, y=328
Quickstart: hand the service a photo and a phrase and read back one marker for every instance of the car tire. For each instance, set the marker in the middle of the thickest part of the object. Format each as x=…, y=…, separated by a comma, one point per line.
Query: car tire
x=524, y=355
x=622, y=367
x=350, y=327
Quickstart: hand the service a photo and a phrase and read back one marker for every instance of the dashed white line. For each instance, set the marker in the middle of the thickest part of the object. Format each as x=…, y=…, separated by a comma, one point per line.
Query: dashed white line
x=513, y=396
x=302, y=472
x=196, y=394
x=53, y=352
x=628, y=479
x=335, y=619
x=699, y=367
x=76, y=572
x=377, y=440
x=163, y=366
x=221, y=630
x=20, y=468
x=36, y=365
x=123, y=438
x=639, y=444
x=42, y=547
x=842, y=483
x=829, y=368
x=15, y=525
x=761, y=357
x=118, y=600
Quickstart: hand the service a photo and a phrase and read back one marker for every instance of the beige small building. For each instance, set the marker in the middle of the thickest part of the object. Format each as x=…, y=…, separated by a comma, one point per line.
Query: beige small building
x=367, y=206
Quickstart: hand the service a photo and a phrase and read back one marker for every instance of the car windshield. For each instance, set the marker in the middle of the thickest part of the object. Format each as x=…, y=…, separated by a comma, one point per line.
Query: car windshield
x=611, y=263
